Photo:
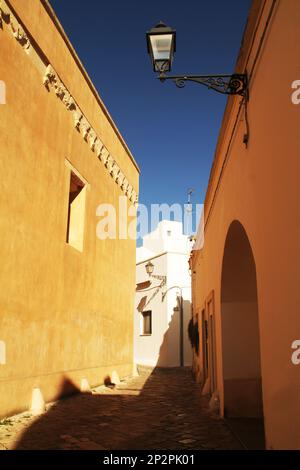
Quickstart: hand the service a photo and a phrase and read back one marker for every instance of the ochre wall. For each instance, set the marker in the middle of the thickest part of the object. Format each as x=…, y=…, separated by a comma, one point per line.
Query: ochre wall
x=259, y=187
x=63, y=314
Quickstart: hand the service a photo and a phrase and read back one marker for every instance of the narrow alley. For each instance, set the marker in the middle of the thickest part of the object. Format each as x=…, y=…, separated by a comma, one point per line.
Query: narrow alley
x=159, y=410
x=150, y=256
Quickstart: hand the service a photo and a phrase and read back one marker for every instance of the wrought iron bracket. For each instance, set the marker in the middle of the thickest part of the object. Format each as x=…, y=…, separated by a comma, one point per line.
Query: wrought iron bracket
x=160, y=278
x=235, y=84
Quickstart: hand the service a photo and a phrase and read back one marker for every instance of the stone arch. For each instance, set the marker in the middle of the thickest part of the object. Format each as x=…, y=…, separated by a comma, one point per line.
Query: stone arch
x=240, y=328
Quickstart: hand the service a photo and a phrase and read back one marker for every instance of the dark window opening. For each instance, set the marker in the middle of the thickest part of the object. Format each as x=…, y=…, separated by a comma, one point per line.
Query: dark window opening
x=147, y=323
x=76, y=207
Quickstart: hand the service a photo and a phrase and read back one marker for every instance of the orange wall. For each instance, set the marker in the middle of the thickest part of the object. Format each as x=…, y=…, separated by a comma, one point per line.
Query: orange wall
x=63, y=313
x=259, y=186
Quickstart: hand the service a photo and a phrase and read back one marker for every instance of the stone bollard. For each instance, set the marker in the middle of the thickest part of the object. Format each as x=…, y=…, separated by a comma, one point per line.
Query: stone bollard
x=85, y=386
x=37, y=402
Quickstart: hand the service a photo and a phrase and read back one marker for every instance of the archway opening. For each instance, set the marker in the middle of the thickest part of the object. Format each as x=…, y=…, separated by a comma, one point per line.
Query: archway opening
x=243, y=403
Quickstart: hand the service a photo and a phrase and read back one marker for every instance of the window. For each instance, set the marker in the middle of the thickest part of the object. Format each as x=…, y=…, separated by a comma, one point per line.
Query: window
x=76, y=211
x=146, y=326
x=169, y=233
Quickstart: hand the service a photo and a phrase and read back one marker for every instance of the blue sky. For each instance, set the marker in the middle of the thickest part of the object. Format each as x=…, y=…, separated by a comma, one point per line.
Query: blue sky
x=171, y=132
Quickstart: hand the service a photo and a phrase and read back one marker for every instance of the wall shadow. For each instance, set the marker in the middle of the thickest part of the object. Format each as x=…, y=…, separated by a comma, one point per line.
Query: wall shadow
x=171, y=339
x=242, y=377
x=156, y=414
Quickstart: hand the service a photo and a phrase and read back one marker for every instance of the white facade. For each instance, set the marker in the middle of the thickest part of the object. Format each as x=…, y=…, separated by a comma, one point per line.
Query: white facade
x=168, y=250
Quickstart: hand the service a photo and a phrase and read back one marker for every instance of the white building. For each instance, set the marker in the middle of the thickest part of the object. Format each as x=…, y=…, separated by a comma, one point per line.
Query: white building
x=163, y=311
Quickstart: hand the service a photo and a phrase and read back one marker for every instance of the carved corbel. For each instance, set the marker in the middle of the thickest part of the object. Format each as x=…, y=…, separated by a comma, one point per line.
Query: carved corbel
x=49, y=76
x=68, y=101
x=85, y=128
x=133, y=196
x=60, y=90
x=5, y=12
x=98, y=148
x=23, y=39
x=109, y=163
x=104, y=155
x=128, y=191
x=119, y=179
x=77, y=116
x=125, y=185
x=19, y=34
x=114, y=171
x=92, y=139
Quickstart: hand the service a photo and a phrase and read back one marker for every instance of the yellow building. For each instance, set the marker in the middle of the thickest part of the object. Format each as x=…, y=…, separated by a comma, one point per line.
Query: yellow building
x=245, y=284
x=66, y=297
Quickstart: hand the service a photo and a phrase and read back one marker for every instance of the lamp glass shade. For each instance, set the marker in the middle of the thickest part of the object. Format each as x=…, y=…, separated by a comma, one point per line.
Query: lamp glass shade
x=161, y=43
x=161, y=47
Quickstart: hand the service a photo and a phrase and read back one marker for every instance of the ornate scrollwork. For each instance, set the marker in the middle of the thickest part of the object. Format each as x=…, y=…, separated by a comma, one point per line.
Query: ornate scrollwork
x=179, y=82
x=235, y=84
x=238, y=84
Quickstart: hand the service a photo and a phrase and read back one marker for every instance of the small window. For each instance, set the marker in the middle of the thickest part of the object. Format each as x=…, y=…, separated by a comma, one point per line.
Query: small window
x=146, y=323
x=169, y=233
x=76, y=211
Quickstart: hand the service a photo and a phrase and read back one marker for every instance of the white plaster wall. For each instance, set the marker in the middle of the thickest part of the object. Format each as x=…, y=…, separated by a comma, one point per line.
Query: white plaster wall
x=168, y=236
x=162, y=348
x=147, y=348
x=178, y=275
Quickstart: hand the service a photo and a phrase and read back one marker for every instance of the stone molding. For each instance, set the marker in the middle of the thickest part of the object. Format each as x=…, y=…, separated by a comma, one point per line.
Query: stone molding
x=51, y=80
x=17, y=31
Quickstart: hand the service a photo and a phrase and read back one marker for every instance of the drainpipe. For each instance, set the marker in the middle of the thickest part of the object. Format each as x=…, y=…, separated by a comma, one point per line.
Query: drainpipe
x=181, y=351
x=181, y=326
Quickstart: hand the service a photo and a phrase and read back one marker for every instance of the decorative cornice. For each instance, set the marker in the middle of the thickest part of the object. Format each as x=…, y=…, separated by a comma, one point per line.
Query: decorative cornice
x=17, y=31
x=51, y=80
x=89, y=135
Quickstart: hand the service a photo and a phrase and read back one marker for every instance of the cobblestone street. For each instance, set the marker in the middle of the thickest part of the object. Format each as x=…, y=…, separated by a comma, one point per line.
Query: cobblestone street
x=162, y=410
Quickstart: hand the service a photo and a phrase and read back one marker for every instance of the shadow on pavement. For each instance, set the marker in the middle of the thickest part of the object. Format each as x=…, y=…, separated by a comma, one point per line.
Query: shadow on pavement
x=169, y=413
x=163, y=409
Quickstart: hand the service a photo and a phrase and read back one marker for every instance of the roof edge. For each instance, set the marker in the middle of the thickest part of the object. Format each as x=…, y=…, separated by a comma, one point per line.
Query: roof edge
x=245, y=47
x=86, y=76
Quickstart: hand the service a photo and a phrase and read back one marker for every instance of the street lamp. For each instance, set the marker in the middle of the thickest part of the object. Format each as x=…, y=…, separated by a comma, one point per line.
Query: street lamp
x=149, y=268
x=161, y=45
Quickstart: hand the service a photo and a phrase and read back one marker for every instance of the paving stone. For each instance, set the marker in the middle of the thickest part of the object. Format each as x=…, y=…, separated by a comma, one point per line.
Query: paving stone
x=187, y=441
x=163, y=410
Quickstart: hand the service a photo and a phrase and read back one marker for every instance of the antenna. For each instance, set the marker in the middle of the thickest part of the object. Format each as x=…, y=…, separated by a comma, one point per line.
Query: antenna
x=189, y=209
